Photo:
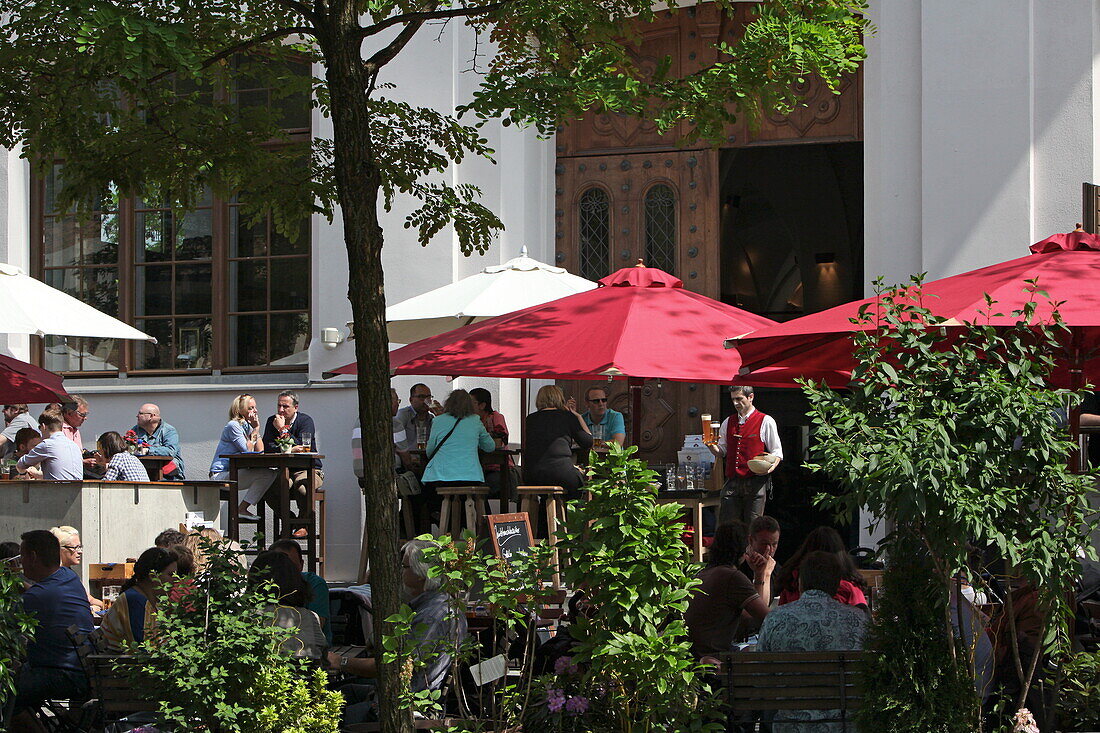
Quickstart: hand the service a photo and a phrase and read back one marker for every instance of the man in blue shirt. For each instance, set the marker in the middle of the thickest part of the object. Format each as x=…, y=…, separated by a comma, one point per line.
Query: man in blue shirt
x=163, y=440
x=289, y=420
x=58, y=455
x=604, y=423
x=57, y=600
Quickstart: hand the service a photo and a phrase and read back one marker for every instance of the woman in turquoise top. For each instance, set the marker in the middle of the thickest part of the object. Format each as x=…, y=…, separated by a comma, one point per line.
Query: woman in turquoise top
x=457, y=436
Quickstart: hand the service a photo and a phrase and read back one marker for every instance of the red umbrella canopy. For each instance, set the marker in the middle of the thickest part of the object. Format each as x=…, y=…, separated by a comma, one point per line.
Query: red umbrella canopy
x=22, y=382
x=641, y=323
x=1066, y=267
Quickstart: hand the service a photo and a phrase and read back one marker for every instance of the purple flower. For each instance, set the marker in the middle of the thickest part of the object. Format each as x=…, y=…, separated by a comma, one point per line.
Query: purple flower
x=555, y=700
x=565, y=665
x=576, y=705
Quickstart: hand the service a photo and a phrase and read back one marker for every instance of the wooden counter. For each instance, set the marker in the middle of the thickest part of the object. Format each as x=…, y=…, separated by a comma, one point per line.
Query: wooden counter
x=116, y=519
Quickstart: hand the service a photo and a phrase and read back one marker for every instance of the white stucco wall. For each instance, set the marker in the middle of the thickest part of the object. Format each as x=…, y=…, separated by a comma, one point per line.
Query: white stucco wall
x=979, y=128
x=430, y=72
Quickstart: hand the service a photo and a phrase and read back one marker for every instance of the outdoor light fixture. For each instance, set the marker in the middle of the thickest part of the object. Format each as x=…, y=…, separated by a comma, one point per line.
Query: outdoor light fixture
x=331, y=338
x=825, y=258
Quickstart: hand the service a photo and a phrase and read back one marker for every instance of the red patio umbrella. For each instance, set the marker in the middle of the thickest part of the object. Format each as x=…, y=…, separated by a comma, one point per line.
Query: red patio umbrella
x=641, y=323
x=1065, y=266
x=22, y=382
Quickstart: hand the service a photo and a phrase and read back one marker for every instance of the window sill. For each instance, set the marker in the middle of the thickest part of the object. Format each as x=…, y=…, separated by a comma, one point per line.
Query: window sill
x=201, y=383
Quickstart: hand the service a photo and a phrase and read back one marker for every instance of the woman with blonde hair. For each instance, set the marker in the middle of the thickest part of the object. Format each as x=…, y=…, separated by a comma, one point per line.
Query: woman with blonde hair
x=548, y=451
x=72, y=554
x=452, y=452
x=242, y=435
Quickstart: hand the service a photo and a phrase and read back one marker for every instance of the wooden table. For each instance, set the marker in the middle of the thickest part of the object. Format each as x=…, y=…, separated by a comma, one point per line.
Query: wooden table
x=283, y=463
x=695, y=503
x=154, y=465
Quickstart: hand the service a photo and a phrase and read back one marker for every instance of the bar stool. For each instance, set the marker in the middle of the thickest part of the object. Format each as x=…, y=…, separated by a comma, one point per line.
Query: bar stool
x=553, y=501
x=474, y=499
x=314, y=524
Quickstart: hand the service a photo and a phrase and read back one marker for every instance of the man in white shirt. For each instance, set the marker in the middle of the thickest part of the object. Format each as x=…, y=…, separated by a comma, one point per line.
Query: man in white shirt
x=58, y=456
x=745, y=492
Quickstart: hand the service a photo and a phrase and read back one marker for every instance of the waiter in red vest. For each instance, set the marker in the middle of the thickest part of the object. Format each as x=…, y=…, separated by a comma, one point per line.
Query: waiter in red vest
x=754, y=435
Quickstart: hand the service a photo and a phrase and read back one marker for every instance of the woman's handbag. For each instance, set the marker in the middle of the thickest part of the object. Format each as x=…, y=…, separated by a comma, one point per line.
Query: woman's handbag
x=408, y=484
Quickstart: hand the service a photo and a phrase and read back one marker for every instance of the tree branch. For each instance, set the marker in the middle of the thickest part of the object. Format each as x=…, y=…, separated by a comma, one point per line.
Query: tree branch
x=298, y=7
x=387, y=54
x=245, y=45
x=426, y=15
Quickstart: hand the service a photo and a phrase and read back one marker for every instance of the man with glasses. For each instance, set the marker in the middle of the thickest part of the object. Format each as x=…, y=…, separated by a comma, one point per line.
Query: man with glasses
x=16, y=418
x=163, y=440
x=73, y=414
x=416, y=420
x=604, y=423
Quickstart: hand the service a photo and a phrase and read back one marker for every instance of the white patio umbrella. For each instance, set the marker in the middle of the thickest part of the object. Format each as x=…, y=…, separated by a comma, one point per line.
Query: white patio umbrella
x=31, y=306
x=519, y=283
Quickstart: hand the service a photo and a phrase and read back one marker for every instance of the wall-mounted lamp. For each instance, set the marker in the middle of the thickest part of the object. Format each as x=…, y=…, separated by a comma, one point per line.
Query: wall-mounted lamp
x=825, y=258
x=331, y=338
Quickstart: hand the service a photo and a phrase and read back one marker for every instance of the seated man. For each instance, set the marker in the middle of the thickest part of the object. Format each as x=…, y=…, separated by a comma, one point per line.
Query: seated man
x=835, y=626
x=728, y=605
x=58, y=455
x=605, y=424
x=57, y=600
x=16, y=418
x=763, y=539
x=25, y=440
x=438, y=631
x=163, y=440
x=288, y=420
x=319, y=601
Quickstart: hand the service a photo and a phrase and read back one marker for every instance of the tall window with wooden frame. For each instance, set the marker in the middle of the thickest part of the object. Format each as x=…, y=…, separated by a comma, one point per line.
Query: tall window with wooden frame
x=660, y=228
x=218, y=290
x=594, y=212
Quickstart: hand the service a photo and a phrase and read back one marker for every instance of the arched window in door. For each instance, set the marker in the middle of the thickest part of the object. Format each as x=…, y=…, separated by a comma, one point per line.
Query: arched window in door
x=595, y=233
x=660, y=228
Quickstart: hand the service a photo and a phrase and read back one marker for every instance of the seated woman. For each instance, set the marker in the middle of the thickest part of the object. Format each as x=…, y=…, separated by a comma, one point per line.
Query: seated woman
x=132, y=618
x=548, y=450
x=457, y=435
x=497, y=428
x=726, y=606
x=72, y=554
x=292, y=595
x=242, y=435
x=117, y=463
x=823, y=539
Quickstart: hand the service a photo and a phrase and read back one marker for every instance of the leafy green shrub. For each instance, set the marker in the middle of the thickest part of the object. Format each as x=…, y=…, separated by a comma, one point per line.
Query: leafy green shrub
x=627, y=553
x=215, y=662
x=950, y=435
x=1079, y=702
x=14, y=625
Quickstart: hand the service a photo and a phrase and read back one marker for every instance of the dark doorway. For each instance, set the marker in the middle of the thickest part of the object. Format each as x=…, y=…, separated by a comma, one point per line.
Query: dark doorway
x=791, y=244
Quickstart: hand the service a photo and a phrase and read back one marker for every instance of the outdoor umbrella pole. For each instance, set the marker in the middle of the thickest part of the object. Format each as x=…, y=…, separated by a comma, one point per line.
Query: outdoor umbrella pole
x=635, y=386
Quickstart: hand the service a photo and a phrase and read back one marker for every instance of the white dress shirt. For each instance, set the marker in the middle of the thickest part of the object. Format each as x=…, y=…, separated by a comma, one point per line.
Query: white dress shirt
x=769, y=433
x=60, y=458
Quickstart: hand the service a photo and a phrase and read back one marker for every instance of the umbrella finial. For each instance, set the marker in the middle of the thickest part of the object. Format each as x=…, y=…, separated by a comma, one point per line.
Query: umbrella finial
x=641, y=263
x=523, y=249
x=1080, y=227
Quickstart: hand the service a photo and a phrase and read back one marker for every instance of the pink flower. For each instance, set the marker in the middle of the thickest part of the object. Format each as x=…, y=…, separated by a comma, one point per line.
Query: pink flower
x=576, y=705
x=1024, y=722
x=555, y=700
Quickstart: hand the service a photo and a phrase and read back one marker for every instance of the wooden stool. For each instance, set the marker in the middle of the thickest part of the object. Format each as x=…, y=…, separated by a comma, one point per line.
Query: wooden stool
x=456, y=498
x=314, y=524
x=554, y=503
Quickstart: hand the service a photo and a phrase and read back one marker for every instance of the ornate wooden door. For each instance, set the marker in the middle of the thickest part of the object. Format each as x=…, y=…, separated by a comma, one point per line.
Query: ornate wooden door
x=660, y=208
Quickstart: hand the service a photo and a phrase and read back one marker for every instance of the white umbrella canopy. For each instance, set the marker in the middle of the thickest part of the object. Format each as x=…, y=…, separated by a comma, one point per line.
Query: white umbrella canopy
x=32, y=307
x=519, y=283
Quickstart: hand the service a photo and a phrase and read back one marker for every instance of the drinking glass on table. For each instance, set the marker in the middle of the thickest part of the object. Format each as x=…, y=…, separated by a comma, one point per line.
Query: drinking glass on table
x=597, y=432
x=307, y=441
x=421, y=436
x=681, y=477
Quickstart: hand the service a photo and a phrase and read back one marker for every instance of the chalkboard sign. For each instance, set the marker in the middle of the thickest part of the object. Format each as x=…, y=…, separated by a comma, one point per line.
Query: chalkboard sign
x=511, y=534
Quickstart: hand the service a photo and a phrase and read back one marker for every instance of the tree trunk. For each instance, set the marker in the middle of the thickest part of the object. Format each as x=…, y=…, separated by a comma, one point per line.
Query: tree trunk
x=358, y=182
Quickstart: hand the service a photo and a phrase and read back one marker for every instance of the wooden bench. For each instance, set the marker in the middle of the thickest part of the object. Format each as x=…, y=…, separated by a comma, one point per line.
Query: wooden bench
x=776, y=681
x=112, y=689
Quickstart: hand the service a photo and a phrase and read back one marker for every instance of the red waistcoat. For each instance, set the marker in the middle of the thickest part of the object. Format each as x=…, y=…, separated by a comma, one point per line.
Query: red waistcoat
x=744, y=444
